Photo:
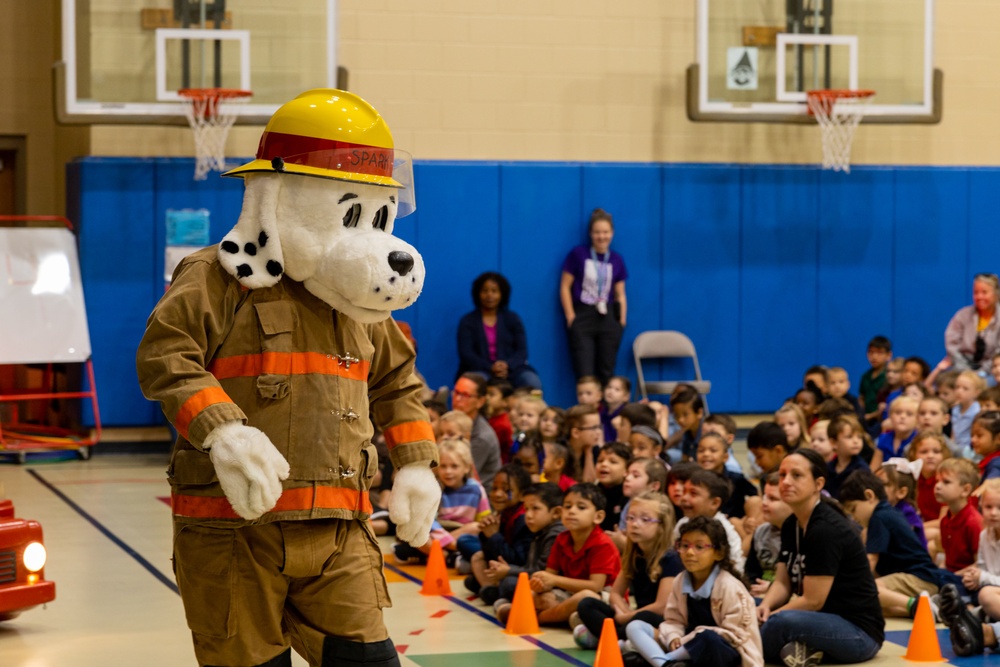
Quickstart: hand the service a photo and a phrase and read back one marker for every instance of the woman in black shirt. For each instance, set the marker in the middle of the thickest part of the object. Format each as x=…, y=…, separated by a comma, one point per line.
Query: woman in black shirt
x=836, y=612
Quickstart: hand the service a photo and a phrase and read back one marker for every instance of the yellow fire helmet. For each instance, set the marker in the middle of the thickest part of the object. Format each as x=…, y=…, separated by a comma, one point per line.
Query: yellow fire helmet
x=331, y=133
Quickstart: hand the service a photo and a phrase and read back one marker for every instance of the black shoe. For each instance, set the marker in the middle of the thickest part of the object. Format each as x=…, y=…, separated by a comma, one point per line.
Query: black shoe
x=797, y=654
x=404, y=553
x=489, y=594
x=965, y=629
x=472, y=584
x=633, y=659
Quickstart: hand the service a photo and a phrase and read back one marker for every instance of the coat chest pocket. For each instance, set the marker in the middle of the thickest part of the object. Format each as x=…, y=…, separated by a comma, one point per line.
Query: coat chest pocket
x=277, y=330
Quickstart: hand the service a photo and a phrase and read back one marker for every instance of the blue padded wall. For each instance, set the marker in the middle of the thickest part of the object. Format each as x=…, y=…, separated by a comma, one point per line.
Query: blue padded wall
x=768, y=268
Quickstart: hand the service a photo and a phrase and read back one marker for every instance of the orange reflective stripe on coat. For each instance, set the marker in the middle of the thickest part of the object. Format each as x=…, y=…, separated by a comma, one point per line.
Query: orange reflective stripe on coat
x=287, y=363
x=408, y=432
x=195, y=404
x=307, y=498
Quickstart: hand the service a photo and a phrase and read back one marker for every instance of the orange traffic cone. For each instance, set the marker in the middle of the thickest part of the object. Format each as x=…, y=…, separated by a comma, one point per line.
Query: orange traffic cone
x=436, y=577
x=923, y=645
x=522, y=619
x=608, y=652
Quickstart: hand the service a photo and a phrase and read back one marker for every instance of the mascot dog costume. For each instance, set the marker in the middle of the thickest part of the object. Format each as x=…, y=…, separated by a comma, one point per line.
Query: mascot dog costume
x=273, y=355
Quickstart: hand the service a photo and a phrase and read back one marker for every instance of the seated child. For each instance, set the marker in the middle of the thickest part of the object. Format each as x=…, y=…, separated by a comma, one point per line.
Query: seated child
x=644, y=474
x=929, y=447
x=793, y=422
x=807, y=399
x=552, y=424
x=688, y=411
x=455, y=425
x=986, y=443
x=583, y=558
x=903, y=418
x=583, y=436
x=724, y=426
x=616, y=393
x=743, y=499
x=463, y=502
x=819, y=439
x=984, y=576
x=962, y=525
x=709, y=618
x=435, y=409
x=649, y=566
x=768, y=444
x=588, y=391
x=558, y=465
x=839, y=386
x=848, y=437
x=632, y=415
x=935, y=415
x=497, y=392
x=529, y=455
x=526, y=418
x=893, y=386
x=901, y=565
x=611, y=467
x=900, y=478
x=968, y=385
x=542, y=505
x=646, y=442
x=989, y=399
x=765, y=547
x=503, y=535
x=677, y=477
x=873, y=380
x=704, y=493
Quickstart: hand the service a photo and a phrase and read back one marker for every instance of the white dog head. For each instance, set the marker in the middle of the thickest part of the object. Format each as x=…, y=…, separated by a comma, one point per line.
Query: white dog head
x=333, y=236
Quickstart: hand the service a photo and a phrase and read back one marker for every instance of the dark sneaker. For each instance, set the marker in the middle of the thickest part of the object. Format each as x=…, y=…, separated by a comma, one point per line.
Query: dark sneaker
x=502, y=608
x=965, y=630
x=797, y=654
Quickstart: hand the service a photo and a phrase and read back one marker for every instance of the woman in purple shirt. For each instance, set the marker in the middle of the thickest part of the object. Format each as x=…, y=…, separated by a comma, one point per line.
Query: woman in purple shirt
x=592, y=292
x=491, y=338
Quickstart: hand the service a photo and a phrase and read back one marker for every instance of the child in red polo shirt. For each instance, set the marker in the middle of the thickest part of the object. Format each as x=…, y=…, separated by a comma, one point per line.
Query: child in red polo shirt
x=962, y=525
x=583, y=557
x=498, y=391
x=986, y=443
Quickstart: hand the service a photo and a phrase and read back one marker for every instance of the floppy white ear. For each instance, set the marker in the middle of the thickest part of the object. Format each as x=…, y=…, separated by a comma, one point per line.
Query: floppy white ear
x=251, y=251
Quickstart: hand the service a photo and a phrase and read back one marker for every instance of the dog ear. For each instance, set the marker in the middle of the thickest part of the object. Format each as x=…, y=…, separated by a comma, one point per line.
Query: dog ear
x=251, y=251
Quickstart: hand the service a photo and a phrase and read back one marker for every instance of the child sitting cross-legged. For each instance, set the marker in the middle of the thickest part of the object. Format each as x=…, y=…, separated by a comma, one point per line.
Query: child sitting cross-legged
x=765, y=546
x=503, y=535
x=903, y=420
x=743, y=499
x=583, y=558
x=901, y=565
x=542, y=506
x=463, y=503
x=649, y=566
x=986, y=443
x=611, y=467
x=704, y=493
x=962, y=524
x=710, y=615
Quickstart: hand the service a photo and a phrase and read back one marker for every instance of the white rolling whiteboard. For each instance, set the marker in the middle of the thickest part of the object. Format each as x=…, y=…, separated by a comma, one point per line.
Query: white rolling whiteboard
x=42, y=314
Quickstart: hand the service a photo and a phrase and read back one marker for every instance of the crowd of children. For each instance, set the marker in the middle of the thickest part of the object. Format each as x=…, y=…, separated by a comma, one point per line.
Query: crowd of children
x=639, y=512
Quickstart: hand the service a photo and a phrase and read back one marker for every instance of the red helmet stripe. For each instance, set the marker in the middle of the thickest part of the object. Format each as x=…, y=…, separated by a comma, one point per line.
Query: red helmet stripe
x=326, y=154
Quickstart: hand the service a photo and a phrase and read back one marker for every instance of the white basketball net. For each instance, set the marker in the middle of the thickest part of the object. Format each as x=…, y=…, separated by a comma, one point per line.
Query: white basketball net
x=838, y=118
x=210, y=117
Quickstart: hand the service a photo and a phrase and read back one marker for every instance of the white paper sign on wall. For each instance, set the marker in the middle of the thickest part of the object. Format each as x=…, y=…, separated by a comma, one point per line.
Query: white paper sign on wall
x=741, y=68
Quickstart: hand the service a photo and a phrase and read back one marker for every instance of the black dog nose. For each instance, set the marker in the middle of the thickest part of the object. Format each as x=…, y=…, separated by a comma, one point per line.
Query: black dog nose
x=401, y=262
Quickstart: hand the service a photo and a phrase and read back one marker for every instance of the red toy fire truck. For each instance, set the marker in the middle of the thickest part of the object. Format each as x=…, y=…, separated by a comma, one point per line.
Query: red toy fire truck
x=22, y=564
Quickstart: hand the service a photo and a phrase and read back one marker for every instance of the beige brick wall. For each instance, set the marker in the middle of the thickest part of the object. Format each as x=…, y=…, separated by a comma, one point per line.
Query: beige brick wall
x=597, y=80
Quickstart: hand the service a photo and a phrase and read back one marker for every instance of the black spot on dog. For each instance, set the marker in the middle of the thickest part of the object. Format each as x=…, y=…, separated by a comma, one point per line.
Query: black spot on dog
x=393, y=279
x=378, y=289
x=230, y=247
x=278, y=164
x=388, y=298
x=262, y=239
x=274, y=267
x=250, y=249
x=244, y=271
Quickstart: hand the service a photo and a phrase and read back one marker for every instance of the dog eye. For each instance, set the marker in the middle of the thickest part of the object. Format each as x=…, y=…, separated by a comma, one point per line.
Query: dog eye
x=381, y=218
x=352, y=216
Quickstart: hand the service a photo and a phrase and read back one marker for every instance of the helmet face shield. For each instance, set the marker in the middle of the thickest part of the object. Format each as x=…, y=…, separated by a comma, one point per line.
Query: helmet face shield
x=402, y=172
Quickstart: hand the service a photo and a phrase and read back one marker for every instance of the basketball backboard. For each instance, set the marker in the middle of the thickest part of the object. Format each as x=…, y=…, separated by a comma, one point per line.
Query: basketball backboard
x=756, y=59
x=124, y=60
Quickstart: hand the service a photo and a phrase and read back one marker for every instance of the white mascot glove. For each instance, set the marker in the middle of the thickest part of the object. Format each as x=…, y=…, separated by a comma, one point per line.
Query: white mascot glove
x=250, y=468
x=414, y=502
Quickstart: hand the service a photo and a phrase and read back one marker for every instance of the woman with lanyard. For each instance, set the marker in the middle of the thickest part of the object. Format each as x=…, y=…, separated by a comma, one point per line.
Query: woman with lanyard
x=835, y=611
x=973, y=334
x=592, y=293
